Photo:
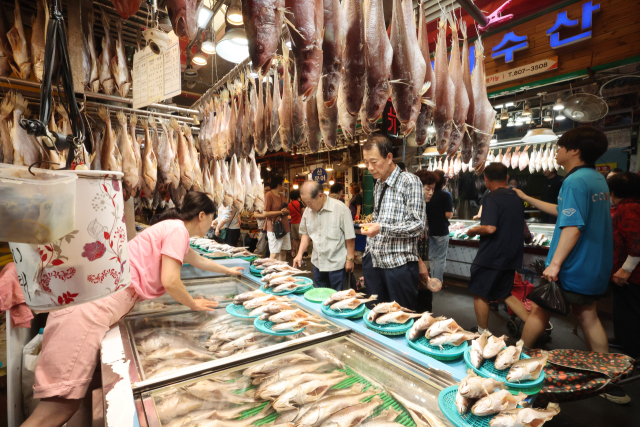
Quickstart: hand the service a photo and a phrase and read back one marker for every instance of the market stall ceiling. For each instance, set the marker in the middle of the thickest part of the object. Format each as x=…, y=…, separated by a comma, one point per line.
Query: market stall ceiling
x=217, y=67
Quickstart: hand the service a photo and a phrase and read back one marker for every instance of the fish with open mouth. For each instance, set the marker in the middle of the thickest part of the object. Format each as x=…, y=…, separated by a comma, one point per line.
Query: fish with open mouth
x=462, y=403
x=525, y=417
x=496, y=402
x=508, y=356
x=477, y=349
x=455, y=338
x=442, y=326
x=396, y=317
x=342, y=295
x=494, y=346
x=474, y=387
x=422, y=324
x=527, y=369
x=352, y=303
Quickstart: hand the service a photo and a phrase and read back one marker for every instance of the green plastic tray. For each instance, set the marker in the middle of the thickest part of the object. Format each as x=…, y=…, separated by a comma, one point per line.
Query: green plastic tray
x=388, y=329
x=447, y=404
x=488, y=370
x=271, y=292
x=239, y=311
x=357, y=312
x=265, y=326
x=450, y=352
x=255, y=270
x=318, y=295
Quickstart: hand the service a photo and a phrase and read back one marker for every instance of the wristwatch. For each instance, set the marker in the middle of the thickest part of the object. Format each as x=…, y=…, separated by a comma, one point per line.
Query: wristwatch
x=350, y=259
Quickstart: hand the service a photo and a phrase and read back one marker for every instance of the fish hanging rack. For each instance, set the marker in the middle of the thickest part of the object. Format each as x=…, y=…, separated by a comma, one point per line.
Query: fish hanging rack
x=497, y=146
x=235, y=71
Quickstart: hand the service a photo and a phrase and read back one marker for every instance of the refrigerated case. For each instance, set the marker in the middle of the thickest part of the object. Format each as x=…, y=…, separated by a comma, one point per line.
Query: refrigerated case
x=175, y=343
x=363, y=372
x=221, y=289
x=462, y=252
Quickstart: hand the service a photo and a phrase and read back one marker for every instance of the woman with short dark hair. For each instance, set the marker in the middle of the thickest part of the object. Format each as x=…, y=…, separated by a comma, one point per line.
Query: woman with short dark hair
x=439, y=210
x=624, y=190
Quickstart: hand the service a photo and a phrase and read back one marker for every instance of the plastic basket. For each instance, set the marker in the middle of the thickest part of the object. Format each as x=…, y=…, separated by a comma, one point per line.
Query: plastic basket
x=447, y=404
x=239, y=311
x=265, y=326
x=37, y=207
x=388, y=329
x=255, y=270
x=345, y=314
x=318, y=295
x=488, y=370
x=450, y=352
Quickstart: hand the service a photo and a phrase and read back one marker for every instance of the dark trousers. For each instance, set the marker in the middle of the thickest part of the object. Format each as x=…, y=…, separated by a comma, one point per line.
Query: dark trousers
x=233, y=235
x=626, y=317
x=328, y=279
x=399, y=284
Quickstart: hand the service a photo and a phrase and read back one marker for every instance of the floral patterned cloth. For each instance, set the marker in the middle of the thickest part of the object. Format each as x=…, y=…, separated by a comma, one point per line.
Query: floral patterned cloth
x=574, y=375
x=626, y=235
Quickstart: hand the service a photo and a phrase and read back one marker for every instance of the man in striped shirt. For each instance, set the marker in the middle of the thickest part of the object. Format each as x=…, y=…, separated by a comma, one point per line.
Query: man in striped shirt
x=390, y=264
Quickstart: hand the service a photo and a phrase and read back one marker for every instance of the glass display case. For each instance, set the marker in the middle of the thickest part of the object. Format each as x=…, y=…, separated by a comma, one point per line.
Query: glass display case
x=349, y=380
x=181, y=343
x=221, y=289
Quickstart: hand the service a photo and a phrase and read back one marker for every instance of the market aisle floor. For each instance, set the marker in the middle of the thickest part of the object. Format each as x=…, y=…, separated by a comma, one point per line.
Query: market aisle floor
x=456, y=302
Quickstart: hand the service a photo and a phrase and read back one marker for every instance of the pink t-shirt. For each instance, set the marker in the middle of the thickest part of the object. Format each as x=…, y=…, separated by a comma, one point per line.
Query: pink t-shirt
x=169, y=238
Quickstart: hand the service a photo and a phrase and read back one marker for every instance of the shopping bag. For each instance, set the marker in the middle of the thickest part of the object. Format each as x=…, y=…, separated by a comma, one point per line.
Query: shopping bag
x=549, y=297
x=278, y=229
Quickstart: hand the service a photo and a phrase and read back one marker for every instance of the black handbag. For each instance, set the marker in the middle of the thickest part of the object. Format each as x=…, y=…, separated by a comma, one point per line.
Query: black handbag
x=278, y=229
x=549, y=296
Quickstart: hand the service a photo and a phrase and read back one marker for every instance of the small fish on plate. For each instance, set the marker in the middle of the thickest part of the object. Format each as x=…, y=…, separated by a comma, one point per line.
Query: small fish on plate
x=462, y=403
x=477, y=348
x=494, y=346
x=342, y=295
x=525, y=417
x=422, y=324
x=396, y=317
x=527, y=369
x=508, y=356
x=455, y=339
x=474, y=387
x=442, y=326
x=351, y=303
x=497, y=402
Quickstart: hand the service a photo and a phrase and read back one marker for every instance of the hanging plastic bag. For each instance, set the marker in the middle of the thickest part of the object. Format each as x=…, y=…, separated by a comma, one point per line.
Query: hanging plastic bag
x=30, y=356
x=549, y=296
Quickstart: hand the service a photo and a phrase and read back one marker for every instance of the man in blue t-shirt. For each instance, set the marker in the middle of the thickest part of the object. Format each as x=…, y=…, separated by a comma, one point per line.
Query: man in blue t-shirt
x=581, y=252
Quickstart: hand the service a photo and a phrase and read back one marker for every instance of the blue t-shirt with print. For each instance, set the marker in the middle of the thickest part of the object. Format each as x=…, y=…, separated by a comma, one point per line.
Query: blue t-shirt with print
x=583, y=202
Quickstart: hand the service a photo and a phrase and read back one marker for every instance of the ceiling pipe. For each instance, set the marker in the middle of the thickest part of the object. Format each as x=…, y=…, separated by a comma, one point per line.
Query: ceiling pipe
x=474, y=12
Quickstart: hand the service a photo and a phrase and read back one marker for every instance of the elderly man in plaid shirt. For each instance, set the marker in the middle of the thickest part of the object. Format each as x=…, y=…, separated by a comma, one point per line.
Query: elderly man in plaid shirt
x=391, y=263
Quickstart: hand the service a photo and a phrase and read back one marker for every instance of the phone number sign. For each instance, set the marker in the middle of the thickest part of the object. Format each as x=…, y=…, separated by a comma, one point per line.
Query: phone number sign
x=524, y=71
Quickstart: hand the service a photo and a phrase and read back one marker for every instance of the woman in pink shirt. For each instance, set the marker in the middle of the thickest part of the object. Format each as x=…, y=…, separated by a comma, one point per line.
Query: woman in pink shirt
x=73, y=335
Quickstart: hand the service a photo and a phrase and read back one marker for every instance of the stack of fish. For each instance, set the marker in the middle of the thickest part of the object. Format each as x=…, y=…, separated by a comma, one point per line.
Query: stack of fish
x=171, y=343
x=440, y=331
x=390, y=312
x=347, y=300
x=216, y=249
x=488, y=346
x=487, y=396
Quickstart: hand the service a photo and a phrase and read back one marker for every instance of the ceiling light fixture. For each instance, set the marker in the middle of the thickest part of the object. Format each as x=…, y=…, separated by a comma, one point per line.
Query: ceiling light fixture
x=510, y=123
x=540, y=135
x=559, y=105
x=204, y=16
x=296, y=186
x=547, y=116
x=527, y=110
x=269, y=168
x=498, y=124
x=234, y=13
x=504, y=115
x=209, y=44
x=497, y=107
x=509, y=104
x=331, y=182
x=361, y=165
x=233, y=46
x=199, y=58
x=560, y=117
x=494, y=140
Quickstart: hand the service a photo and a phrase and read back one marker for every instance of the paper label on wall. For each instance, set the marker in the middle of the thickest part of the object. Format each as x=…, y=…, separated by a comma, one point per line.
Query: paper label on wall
x=524, y=71
x=619, y=138
x=156, y=77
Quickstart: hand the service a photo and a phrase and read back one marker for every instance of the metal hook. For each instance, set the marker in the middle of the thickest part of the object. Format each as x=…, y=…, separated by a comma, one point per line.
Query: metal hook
x=38, y=162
